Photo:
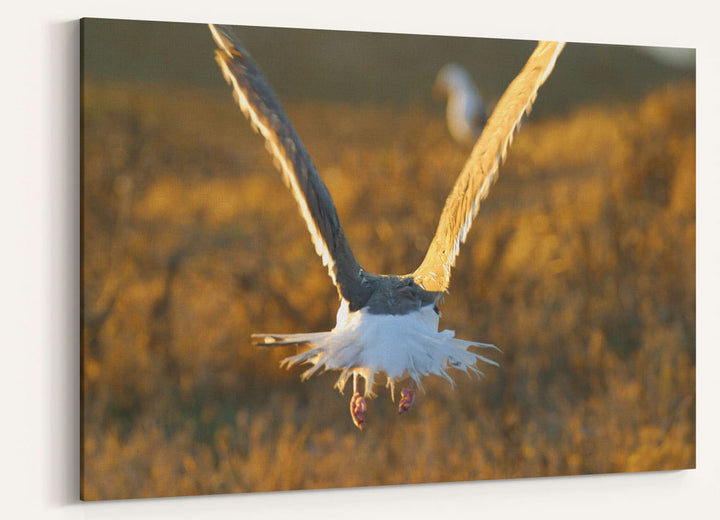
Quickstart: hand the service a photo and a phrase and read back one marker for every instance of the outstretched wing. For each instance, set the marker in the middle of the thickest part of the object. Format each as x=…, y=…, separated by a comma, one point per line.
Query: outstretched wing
x=262, y=108
x=481, y=168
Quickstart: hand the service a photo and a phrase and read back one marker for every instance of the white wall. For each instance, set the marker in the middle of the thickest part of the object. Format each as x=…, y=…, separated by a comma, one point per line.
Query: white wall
x=38, y=263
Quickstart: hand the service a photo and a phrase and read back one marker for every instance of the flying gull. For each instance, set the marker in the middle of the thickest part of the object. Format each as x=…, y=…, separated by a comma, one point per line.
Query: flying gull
x=466, y=113
x=386, y=323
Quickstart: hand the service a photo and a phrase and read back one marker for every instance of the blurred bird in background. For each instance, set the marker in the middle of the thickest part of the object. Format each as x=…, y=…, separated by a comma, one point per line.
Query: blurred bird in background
x=466, y=112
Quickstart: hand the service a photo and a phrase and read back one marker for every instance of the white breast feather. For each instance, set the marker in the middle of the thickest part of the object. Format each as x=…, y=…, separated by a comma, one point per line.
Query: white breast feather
x=398, y=345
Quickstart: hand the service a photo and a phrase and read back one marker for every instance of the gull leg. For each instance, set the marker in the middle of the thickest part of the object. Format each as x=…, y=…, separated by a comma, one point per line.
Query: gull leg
x=407, y=397
x=358, y=405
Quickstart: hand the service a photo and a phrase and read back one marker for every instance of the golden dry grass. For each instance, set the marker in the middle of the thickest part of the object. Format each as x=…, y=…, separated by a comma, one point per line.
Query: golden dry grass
x=580, y=267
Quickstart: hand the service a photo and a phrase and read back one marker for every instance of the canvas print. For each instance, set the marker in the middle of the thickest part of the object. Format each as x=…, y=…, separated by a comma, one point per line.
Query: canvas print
x=318, y=259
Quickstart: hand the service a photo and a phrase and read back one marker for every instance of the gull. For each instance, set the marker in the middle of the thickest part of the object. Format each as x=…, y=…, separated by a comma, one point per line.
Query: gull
x=466, y=113
x=385, y=323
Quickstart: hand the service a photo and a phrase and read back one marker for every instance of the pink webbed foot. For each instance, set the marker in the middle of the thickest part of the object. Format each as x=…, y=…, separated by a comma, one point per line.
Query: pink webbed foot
x=358, y=407
x=407, y=397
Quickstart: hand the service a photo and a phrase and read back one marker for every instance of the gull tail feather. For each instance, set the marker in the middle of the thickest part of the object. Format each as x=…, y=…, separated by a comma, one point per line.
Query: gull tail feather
x=285, y=340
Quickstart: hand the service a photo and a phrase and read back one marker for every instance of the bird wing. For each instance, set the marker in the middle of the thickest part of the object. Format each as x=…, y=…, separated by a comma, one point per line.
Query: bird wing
x=260, y=105
x=481, y=168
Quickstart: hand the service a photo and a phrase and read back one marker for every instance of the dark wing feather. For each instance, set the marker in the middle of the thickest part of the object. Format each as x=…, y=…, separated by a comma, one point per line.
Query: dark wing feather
x=481, y=168
x=262, y=108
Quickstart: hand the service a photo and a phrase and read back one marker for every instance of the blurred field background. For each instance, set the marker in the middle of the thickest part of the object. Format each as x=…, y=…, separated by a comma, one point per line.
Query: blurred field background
x=580, y=265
